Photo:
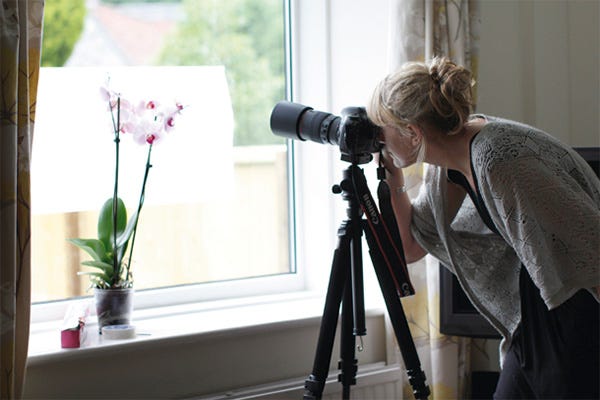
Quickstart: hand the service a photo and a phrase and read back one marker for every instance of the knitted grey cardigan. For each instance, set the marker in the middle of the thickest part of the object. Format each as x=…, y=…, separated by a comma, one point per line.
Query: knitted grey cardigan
x=544, y=201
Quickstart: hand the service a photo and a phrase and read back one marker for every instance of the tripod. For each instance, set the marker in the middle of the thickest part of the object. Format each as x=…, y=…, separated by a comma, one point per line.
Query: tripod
x=346, y=288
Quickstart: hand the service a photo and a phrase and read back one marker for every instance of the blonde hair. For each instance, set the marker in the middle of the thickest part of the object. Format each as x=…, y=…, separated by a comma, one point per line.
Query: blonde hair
x=436, y=94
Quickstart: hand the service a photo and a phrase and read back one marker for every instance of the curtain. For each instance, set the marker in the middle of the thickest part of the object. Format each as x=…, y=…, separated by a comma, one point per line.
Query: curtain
x=20, y=49
x=419, y=30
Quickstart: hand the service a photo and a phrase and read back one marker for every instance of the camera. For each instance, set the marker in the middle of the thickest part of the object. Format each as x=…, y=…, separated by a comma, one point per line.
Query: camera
x=356, y=136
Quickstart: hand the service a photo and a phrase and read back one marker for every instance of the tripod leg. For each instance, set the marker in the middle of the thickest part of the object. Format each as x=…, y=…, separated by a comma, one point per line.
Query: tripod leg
x=416, y=376
x=315, y=383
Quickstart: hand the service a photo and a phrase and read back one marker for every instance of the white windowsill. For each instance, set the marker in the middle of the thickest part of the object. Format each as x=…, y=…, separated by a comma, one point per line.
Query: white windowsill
x=184, y=323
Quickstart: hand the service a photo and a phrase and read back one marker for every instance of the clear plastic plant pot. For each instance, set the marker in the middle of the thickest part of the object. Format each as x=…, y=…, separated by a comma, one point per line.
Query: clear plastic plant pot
x=113, y=306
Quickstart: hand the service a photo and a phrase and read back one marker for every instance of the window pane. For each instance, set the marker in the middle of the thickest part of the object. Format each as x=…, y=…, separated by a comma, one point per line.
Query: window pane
x=216, y=205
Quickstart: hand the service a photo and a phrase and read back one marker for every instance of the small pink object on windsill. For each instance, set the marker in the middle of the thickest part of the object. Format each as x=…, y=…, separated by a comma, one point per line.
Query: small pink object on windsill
x=71, y=338
x=72, y=331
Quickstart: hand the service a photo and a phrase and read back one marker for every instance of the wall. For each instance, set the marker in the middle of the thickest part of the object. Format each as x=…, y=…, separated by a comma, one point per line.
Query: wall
x=539, y=65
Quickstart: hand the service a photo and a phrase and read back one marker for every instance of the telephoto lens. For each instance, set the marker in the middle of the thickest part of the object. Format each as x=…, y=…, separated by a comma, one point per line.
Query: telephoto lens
x=296, y=121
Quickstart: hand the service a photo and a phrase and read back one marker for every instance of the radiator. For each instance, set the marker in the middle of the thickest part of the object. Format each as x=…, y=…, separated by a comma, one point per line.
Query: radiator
x=374, y=382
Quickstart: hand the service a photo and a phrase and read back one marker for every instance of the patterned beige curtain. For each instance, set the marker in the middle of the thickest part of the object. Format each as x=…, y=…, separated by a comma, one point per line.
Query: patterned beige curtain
x=419, y=30
x=20, y=48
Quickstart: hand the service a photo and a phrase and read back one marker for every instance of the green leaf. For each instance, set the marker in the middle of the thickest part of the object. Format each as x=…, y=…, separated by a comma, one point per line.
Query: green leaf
x=104, y=266
x=99, y=278
x=106, y=225
x=93, y=247
x=98, y=275
x=123, y=238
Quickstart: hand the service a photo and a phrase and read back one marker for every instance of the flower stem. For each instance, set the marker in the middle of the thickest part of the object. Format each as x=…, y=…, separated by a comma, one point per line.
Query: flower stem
x=140, y=204
x=116, y=266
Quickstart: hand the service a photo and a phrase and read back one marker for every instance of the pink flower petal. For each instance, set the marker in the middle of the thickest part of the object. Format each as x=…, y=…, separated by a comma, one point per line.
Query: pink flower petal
x=105, y=94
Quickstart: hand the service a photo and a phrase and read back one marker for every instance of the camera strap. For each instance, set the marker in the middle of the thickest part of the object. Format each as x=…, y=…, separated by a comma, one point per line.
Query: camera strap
x=383, y=236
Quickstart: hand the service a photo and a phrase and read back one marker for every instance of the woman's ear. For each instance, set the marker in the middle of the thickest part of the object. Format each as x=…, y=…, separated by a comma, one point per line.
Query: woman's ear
x=416, y=134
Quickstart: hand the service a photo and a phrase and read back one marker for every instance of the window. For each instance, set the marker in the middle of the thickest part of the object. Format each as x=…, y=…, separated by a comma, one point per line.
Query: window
x=217, y=203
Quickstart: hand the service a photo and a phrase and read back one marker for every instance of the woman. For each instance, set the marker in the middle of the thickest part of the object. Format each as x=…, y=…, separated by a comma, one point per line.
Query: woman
x=513, y=212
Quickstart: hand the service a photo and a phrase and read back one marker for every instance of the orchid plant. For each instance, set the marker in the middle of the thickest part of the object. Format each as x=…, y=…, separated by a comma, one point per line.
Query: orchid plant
x=147, y=122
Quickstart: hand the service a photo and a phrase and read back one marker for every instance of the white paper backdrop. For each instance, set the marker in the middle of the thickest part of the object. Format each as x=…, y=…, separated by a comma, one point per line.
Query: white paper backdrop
x=73, y=149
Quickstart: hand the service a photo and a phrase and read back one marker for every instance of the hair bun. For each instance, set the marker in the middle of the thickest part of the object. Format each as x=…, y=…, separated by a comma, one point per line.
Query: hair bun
x=450, y=94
